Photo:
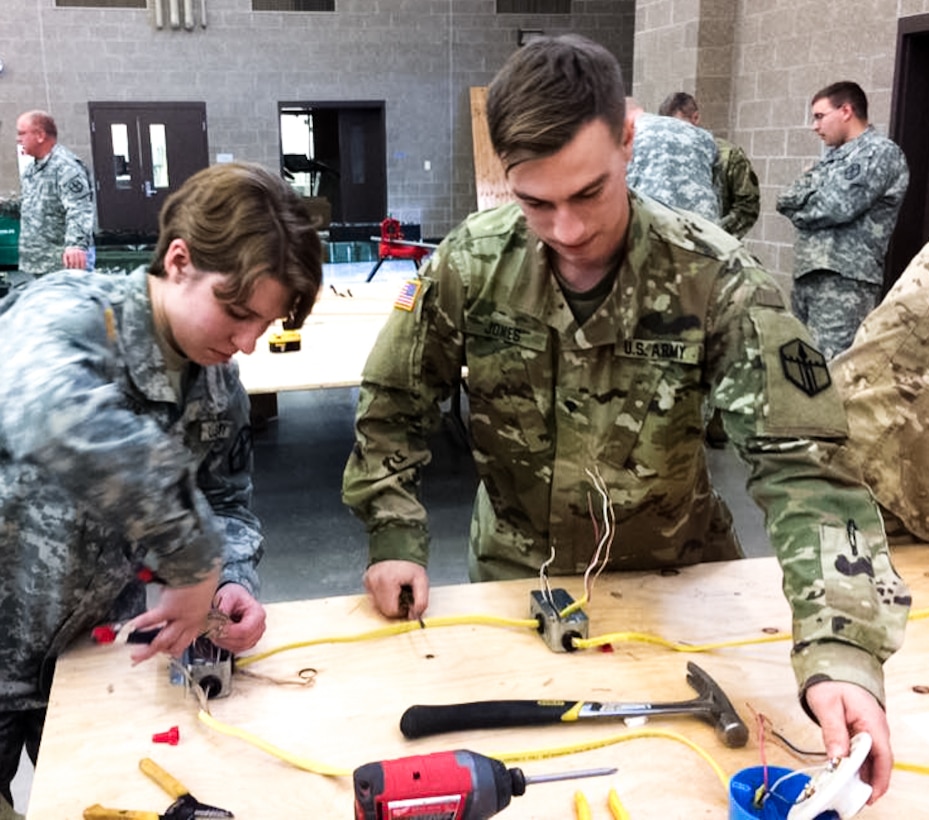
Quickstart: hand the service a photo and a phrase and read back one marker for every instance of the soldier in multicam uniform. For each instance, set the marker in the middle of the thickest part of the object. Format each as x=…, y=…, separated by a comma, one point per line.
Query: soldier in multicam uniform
x=125, y=440
x=57, y=213
x=736, y=181
x=844, y=209
x=595, y=325
x=673, y=162
x=884, y=380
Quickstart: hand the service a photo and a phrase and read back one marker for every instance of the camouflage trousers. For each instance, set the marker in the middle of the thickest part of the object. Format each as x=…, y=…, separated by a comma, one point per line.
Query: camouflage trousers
x=832, y=307
x=18, y=730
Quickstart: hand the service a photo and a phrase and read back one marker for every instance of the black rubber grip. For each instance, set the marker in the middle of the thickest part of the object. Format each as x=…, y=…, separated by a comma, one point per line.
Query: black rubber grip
x=420, y=721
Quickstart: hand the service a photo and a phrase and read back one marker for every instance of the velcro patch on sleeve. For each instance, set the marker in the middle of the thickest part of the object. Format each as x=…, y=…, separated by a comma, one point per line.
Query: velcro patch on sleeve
x=801, y=399
x=805, y=367
x=409, y=293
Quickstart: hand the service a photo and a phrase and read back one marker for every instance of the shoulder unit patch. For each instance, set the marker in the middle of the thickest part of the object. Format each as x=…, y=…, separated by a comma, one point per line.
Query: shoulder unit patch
x=805, y=367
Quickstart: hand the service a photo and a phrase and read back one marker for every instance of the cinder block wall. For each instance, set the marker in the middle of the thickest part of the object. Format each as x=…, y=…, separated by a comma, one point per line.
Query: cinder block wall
x=419, y=56
x=781, y=54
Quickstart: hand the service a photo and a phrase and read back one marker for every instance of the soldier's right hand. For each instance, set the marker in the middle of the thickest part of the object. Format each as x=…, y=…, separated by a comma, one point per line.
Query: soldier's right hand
x=182, y=615
x=385, y=581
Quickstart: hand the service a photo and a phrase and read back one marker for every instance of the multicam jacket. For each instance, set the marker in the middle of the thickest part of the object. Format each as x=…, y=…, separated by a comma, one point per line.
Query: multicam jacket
x=104, y=469
x=845, y=207
x=57, y=211
x=884, y=380
x=690, y=317
x=739, y=194
x=676, y=163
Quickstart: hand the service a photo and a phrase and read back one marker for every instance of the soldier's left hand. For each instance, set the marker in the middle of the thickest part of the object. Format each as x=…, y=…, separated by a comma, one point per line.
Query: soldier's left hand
x=844, y=710
x=245, y=619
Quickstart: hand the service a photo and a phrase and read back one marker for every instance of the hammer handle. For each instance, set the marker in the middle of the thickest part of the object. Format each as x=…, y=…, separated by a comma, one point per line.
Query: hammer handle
x=420, y=721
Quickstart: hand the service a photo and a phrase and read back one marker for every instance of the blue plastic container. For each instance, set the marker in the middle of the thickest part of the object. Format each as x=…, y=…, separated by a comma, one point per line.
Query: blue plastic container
x=744, y=784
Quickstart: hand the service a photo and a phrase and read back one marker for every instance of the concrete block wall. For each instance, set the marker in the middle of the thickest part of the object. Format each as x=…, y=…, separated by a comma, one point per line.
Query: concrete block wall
x=419, y=56
x=781, y=53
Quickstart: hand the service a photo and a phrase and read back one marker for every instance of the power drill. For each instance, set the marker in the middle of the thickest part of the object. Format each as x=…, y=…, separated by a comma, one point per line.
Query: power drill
x=459, y=785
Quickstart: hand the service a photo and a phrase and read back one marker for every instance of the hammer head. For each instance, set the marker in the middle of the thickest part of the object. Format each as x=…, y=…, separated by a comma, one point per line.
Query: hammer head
x=716, y=709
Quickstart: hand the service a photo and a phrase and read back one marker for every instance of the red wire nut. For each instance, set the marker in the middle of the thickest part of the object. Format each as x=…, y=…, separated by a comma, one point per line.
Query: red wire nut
x=171, y=737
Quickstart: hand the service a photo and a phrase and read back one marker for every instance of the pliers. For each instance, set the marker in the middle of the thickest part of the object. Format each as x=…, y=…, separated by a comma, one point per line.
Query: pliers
x=184, y=807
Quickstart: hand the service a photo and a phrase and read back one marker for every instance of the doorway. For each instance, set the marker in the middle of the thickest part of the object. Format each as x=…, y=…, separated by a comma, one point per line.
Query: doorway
x=142, y=152
x=337, y=151
x=909, y=128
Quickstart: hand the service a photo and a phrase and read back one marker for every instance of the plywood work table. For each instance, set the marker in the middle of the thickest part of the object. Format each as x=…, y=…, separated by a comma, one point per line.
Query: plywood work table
x=335, y=341
x=103, y=711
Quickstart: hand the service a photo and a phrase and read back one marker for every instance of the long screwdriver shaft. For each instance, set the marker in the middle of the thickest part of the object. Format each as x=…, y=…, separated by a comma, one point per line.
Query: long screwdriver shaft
x=551, y=778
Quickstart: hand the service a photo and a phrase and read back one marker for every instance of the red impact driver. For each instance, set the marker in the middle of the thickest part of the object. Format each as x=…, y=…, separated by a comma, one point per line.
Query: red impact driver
x=457, y=785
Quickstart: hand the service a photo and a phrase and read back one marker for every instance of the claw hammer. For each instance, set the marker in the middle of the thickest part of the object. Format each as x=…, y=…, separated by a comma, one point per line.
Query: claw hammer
x=710, y=705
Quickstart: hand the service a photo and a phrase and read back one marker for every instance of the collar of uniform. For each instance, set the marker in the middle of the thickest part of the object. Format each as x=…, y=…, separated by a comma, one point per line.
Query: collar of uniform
x=846, y=148
x=39, y=164
x=618, y=316
x=146, y=362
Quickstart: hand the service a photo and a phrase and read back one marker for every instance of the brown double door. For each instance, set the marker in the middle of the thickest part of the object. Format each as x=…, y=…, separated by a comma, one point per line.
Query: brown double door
x=142, y=152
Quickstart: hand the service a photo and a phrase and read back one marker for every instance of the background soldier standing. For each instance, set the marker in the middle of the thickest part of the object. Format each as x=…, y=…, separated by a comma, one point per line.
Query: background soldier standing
x=739, y=194
x=673, y=162
x=844, y=209
x=57, y=212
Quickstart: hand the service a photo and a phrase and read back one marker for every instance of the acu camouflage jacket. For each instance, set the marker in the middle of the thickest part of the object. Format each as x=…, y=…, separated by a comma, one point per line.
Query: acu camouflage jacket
x=690, y=318
x=57, y=211
x=845, y=207
x=104, y=470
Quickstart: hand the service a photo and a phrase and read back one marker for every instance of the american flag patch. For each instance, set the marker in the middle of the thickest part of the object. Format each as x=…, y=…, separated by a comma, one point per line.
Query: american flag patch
x=406, y=299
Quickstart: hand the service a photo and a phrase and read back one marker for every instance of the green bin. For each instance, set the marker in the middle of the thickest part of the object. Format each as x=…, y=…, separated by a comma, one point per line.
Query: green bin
x=9, y=243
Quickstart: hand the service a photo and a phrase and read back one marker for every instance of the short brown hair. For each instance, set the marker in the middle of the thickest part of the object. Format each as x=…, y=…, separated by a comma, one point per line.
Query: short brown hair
x=241, y=220
x=679, y=101
x=844, y=92
x=547, y=91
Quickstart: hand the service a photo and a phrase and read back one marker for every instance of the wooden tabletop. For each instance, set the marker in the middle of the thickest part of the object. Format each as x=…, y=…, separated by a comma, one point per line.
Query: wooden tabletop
x=103, y=711
x=334, y=345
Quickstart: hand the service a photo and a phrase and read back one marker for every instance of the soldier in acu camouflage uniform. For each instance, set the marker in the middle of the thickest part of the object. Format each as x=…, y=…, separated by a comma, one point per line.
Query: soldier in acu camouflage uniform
x=57, y=214
x=673, y=162
x=595, y=326
x=844, y=209
x=125, y=440
x=884, y=379
x=736, y=181
x=739, y=200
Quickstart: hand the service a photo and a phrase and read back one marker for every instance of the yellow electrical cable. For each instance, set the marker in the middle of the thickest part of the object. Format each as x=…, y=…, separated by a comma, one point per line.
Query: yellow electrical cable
x=315, y=767
x=916, y=768
x=304, y=763
x=398, y=628
x=635, y=734
x=644, y=637
x=403, y=627
x=570, y=609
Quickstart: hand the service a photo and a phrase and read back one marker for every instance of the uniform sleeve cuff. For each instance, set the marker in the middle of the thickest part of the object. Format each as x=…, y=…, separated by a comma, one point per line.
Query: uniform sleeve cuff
x=838, y=662
x=399, y=544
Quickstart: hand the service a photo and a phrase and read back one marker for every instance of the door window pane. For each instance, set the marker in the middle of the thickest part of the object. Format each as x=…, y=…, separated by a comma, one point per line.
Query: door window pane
x=119, y=134
x=159, y=143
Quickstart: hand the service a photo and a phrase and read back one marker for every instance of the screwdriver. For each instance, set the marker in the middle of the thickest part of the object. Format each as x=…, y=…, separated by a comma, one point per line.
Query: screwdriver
x=458, y=785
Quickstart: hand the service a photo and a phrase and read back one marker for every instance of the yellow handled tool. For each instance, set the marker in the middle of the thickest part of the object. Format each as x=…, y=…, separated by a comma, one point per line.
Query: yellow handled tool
x=184, y=807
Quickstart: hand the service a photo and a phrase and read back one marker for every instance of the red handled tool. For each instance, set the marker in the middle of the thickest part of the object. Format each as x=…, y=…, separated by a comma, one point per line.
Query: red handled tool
x=459, y=785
